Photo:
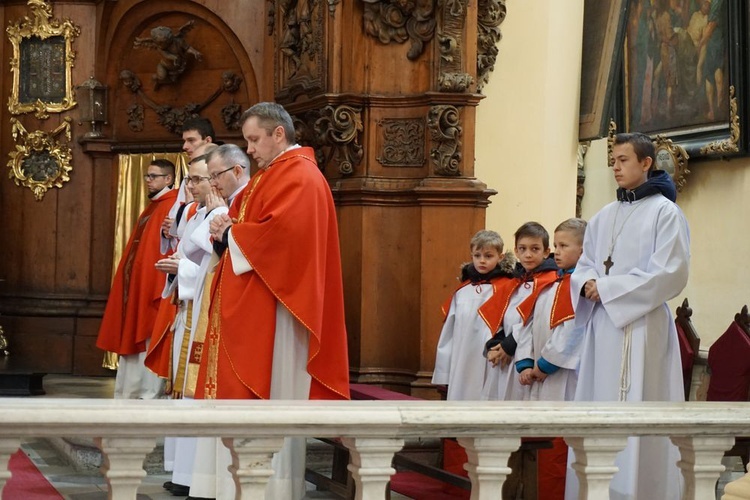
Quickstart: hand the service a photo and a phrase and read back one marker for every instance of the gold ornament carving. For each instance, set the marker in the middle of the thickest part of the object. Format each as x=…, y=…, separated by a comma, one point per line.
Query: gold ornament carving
x=445, y=130
x=731, y=144
x=611, y=133
x=489, y=18
x=673, y=159
x=40, y=162
x=583, y=148
x=42, y=62
x=401, y=20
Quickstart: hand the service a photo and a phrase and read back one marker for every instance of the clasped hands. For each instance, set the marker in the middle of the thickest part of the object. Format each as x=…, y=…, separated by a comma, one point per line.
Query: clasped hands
x=531, y=375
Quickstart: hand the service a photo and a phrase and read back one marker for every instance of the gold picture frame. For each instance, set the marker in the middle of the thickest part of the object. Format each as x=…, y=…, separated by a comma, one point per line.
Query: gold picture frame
x=673, y=159
x=42, y=62
x=40, y=162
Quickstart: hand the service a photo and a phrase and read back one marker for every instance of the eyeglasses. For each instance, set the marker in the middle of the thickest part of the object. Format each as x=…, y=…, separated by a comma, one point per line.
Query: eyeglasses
x=215, y=176
x=151, y=177
x=196, y=179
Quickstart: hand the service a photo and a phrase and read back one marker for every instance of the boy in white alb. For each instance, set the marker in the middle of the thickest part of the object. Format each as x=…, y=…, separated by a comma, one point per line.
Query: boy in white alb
x=459, y=363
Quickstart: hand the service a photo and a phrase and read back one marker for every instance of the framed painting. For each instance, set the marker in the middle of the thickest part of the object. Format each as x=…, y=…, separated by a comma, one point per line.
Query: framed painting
x=42, y=62
x=683, y=73
x=603, y=35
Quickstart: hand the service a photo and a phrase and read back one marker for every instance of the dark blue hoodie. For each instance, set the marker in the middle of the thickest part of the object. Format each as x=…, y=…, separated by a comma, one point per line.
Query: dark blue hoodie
x=659, y=181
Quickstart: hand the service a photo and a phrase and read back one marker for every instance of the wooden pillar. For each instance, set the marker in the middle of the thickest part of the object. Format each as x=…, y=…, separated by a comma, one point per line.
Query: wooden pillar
x=390, y=108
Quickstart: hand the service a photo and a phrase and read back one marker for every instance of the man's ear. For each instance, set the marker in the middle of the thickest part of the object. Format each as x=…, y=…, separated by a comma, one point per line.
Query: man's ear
x=649, y=161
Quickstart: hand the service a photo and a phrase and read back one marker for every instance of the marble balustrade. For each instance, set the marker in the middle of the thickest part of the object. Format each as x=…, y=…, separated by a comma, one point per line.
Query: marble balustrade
x=126, y=430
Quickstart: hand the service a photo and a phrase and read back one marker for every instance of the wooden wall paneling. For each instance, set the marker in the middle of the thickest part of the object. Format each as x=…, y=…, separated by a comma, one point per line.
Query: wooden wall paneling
x=87, y=358
x=351, y=243
x=43, y=344
x=222, y=50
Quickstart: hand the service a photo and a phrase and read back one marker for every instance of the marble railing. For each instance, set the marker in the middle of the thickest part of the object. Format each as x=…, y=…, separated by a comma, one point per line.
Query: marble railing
x=126, y=430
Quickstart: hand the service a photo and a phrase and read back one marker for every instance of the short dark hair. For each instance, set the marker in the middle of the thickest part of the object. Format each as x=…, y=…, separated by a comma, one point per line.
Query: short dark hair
x=532, y=230
x=201, y=125
x=166, y=166
x=642, y=145
x=271, y=115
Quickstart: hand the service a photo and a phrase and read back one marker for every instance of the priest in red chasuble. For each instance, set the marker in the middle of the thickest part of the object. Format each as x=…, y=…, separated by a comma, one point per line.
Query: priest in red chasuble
x=276, y=322
x=136, y=291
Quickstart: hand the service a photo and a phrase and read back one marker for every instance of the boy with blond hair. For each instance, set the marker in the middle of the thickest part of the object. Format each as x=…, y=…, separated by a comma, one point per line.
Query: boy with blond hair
x=549, y=349
x=459, y=363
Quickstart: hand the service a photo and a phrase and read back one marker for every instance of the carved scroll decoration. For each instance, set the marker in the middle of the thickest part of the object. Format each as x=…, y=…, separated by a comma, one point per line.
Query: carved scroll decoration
x=450, y=41
x=172, y=118
x=301, y=64
x=341, y=129
x=40, y=162
x=611, y=133
x=673, y=159
x=332, y=6
x=335, y=133
x=403, y=142
x=271, y=20
x=731, y=144
x=445, y=131
x=490, y=16
x=398, y=21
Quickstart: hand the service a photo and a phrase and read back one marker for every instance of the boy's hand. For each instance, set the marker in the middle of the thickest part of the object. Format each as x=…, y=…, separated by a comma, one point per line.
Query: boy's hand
x=526, y=377
x=538, y=374
x=497, y=355
x=590, y=291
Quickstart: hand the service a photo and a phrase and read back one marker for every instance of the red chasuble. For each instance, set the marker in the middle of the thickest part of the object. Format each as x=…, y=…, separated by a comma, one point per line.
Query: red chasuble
x=136, y=289
x=287, y=230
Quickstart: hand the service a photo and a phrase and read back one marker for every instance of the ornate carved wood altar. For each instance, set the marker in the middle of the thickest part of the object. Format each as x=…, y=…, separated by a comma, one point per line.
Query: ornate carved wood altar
x=386, y=92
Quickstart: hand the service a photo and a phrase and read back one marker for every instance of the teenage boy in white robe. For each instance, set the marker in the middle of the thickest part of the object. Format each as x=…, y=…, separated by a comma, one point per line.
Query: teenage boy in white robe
x=635, y=258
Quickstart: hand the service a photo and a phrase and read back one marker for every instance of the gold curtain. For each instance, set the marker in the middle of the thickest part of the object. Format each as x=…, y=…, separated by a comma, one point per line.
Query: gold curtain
x=132, y=198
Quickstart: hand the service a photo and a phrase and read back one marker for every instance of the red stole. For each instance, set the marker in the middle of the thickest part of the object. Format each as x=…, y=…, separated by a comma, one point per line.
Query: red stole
x=136, y=288
x=493, y=310
x=562, y=307
x=542, y=280
x=287, y=230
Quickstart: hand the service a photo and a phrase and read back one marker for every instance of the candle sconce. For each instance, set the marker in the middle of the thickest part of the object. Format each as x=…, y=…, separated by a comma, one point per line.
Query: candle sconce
x=92, y=101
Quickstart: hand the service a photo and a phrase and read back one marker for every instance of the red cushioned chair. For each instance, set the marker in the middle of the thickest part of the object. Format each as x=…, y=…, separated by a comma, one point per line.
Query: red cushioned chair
x=729, y=362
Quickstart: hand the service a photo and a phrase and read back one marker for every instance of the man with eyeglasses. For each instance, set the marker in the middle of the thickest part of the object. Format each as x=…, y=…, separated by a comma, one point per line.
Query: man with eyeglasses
x=276, y=320
x=171, y=339
x=135, y=296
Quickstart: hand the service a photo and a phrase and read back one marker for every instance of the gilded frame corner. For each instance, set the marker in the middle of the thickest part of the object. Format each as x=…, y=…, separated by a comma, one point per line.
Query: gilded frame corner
x=40, y=162
x=673, y=159
x=41, y=26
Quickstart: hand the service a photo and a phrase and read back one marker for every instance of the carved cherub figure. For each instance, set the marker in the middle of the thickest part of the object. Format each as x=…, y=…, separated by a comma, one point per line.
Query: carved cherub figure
x=173, y=49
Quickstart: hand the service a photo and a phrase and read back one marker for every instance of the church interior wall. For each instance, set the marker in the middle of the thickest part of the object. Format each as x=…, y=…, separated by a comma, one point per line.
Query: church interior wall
x=525, y=149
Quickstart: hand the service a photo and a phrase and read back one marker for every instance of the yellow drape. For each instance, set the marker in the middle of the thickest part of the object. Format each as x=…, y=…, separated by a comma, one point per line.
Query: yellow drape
x=132, y=198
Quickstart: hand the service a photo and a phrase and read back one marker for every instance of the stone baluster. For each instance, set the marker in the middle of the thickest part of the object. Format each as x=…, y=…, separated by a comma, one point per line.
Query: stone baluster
x=701, y=463
x=738, y=489
x=122, y=464
x=8, y=446
x=251, y=464
x=371, y=464
x=488, y=464
x=595, y=464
